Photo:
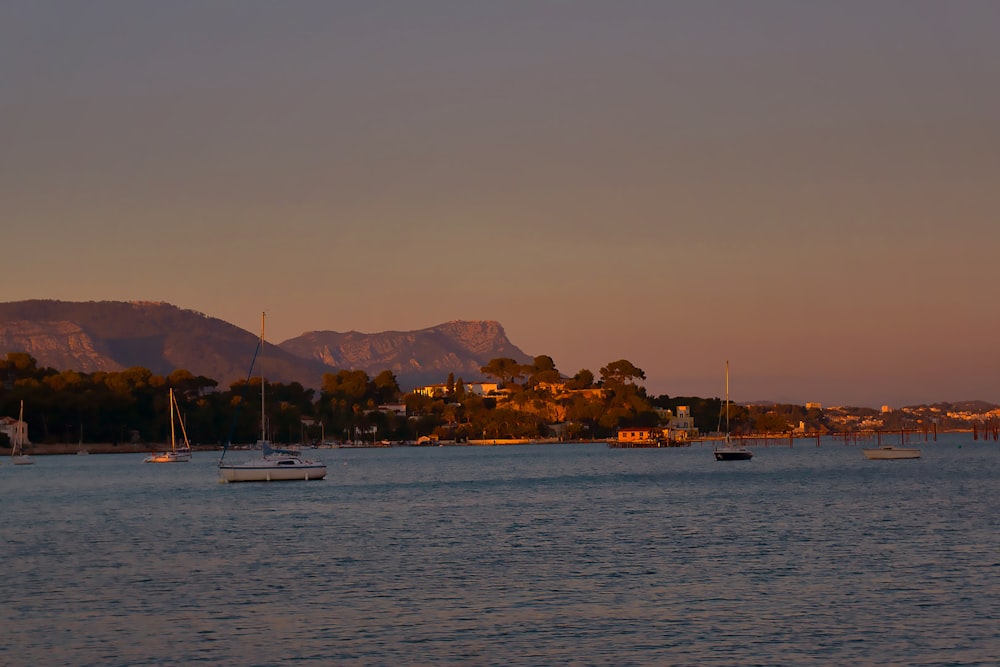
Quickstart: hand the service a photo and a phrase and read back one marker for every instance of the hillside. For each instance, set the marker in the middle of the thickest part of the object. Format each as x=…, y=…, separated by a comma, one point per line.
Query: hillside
x=114, y=335
x=416, y=357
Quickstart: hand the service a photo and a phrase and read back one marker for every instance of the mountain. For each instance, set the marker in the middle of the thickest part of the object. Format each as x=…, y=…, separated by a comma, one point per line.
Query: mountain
x=114, y=335
x=416, y=357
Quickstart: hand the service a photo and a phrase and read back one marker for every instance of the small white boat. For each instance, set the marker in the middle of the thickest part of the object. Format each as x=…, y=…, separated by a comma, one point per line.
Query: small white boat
x=176, y=454
x=729, y=450
x=889, y=453
x=273, y=465
x=17, y=455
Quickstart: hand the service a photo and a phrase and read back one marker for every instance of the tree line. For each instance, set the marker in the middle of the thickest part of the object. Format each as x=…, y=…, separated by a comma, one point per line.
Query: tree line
x=535, y=401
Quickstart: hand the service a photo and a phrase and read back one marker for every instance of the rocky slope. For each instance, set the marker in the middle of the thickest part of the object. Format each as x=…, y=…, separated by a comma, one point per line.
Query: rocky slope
x=416, y=357
x=113, y=335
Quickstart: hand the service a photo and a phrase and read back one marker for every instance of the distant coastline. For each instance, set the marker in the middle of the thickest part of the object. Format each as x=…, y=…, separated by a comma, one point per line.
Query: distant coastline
x=60, y=449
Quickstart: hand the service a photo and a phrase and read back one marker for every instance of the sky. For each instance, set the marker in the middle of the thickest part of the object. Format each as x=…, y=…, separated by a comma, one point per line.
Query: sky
x=810, y=191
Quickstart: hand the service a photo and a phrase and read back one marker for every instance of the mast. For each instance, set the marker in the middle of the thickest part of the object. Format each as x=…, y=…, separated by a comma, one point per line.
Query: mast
x=173, y=439
x=180, y=420
x=263, y=423
x=727, y=400
x=16, y=451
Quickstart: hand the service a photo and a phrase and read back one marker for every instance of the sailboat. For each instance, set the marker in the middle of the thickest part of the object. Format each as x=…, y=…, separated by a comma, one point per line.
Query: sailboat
x=176, y=454
x=273, y=465
x=729, y=450
x=17, y=455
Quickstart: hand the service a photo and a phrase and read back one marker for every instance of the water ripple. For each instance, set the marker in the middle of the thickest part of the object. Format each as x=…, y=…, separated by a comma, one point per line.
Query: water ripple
x=539, y=555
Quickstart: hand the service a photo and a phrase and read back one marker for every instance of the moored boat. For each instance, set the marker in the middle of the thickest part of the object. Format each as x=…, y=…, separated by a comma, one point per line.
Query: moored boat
x=890, y=453
x=729, y=450
x=169, y=457
x=273, y=465
x=17, y=455
x=181, y=454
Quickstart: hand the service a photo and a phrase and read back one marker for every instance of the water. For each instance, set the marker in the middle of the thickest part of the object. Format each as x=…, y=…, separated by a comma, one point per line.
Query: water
x=528, y=555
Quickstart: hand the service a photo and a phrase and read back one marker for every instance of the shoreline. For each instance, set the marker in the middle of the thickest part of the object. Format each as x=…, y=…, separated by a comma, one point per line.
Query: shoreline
x=62, y=449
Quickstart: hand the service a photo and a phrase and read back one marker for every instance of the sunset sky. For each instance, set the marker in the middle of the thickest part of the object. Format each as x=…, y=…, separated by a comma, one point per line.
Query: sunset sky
x=810, y=190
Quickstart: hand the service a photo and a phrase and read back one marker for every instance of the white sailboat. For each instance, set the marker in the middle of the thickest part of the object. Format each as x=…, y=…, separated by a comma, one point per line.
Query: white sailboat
x=273, y=465
x=17, y=455
x=176, y=454
x=729, y=450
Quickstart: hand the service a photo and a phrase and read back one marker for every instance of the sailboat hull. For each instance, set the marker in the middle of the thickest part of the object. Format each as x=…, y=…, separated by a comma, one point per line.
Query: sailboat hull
x=890, y=453
x=733, y=455
x=264, y=470
x=179, y=456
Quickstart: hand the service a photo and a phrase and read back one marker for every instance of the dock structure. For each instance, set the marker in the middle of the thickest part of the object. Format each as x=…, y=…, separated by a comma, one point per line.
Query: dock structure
x=646, y=444
x=989, y=430
x=859, y=437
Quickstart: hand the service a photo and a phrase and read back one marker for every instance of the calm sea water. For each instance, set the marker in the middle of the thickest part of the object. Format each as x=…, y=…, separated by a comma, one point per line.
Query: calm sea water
x=527, y=555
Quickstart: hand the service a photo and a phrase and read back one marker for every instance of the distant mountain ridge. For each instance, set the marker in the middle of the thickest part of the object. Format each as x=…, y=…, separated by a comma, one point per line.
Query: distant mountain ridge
x=422, y=357
x=114, y=335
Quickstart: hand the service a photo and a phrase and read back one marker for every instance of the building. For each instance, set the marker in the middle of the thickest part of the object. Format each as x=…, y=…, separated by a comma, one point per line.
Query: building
x=15, y=430
x=681, y=428
x=639, y=436
x=441, y=390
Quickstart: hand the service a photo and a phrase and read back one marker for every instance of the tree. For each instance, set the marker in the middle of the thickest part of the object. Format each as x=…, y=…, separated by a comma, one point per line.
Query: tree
x=771, y=422
x=543, y=369
x=584, y=379
x=386, y=388
x=20, y=364
x=504, y=369
x=352, y=385
x=543, y=363
x=186, y=383
x=621, y=372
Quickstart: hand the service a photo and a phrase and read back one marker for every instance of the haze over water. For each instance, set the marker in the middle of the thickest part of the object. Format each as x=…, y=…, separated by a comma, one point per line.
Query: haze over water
x=522, y=555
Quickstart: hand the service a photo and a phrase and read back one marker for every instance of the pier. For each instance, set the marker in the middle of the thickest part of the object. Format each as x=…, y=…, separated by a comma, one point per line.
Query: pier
x=861, y=437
